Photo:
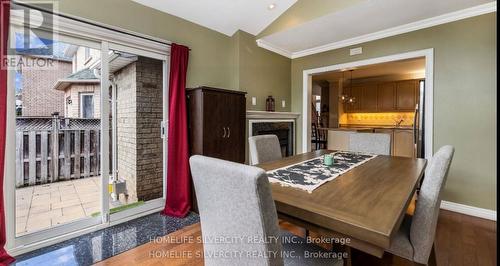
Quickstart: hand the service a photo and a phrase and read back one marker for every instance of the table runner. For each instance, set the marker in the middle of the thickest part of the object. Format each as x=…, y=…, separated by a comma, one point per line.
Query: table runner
x=311, y=174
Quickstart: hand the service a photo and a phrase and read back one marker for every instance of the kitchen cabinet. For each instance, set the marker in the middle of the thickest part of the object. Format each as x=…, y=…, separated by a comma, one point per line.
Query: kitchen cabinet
x=386, y=93
x=355, y=92
x=406, y=95
x=368, y=101
x=403, y=143
x=401, y=139
x=399, y=96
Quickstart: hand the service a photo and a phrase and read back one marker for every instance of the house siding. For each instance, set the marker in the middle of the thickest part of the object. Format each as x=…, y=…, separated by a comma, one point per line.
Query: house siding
x=74, y=92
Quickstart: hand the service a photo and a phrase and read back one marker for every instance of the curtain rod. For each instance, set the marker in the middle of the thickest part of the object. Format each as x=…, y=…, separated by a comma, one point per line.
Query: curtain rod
x=89, y=22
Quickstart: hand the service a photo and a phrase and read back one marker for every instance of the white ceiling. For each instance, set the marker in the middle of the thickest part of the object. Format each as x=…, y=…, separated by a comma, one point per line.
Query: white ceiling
x=364, y=21
x=399, y=68
x=225, y=16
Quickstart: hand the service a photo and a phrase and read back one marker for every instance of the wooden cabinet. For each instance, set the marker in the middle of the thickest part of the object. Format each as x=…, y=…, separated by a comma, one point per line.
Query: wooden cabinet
x=386, y=93
x=403, y=143
x=216, y=123
x=406, y=95
x=383, y=97
x=368, y=101
x=355, y=92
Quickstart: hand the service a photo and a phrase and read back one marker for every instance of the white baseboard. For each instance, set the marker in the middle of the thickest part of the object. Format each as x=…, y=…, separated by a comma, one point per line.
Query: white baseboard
x=469, y=210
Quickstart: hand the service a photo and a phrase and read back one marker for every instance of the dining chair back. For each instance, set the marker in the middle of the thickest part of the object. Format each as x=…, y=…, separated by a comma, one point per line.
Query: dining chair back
x=376, y=143
x=264, y=148
x=424, y=220
x=234, y=200
x=236, y=205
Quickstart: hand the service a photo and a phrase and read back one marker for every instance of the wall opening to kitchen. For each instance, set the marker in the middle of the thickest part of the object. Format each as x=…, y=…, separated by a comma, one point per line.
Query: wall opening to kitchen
x=383, y=95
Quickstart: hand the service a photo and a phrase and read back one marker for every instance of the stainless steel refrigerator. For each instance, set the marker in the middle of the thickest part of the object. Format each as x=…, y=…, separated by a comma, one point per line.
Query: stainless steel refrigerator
x=418, y=123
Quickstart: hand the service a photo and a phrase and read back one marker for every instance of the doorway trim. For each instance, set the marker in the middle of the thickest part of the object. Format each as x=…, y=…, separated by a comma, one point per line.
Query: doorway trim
x=429, y=92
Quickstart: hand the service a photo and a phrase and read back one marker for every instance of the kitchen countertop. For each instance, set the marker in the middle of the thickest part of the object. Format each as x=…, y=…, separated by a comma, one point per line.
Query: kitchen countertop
x=365, y=127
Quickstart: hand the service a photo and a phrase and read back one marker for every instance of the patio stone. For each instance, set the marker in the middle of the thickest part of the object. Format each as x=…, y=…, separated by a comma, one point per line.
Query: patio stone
x=34, y=225
x=22, y=211
x=39, y=209
x=46, y=215
x=66, y=203
x=45, y=206
x=73, y=210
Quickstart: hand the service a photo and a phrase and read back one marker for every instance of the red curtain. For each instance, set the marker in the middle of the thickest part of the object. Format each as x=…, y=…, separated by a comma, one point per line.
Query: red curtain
x=178, y=202
x=5, y=259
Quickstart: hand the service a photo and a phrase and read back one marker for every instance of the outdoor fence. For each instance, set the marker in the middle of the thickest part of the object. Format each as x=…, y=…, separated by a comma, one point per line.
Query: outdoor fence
x=55, y=149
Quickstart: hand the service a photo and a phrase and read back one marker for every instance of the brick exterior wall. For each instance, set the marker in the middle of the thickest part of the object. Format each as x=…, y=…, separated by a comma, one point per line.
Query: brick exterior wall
x=74, y=91
x=149, y=118
x=126, y=128
x=139, y=116
x=39, y=99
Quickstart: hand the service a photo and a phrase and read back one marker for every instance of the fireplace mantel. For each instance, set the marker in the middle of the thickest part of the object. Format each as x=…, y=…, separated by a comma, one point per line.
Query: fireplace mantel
x=271, y=115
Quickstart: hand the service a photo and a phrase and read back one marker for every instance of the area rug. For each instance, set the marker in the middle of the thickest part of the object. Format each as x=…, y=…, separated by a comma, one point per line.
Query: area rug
x=311, y=174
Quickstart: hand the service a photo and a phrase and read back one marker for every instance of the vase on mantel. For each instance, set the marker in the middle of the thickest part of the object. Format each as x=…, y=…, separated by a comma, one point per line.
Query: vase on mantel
x=270, y=104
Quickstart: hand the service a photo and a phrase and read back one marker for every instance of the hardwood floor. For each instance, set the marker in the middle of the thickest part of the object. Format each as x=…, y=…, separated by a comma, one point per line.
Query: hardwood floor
x=460, y=240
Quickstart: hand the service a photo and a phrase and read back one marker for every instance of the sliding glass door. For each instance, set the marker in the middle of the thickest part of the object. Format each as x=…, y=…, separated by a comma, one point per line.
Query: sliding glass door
x=137, y=144
x=86, y=139
x=57, y=134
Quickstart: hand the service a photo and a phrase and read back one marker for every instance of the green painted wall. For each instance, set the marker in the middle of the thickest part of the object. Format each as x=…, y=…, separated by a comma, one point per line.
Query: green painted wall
x=262, y=73
x=464, y=98
x=215, y=59
x=305, y=10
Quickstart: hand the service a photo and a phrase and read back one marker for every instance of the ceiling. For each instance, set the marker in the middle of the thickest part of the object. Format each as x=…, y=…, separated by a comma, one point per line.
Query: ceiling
x=413, y=67
x=368, y=20
x=225, y=16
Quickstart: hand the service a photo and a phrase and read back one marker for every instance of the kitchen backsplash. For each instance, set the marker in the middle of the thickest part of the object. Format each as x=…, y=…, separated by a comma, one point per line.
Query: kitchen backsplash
x=380, y=119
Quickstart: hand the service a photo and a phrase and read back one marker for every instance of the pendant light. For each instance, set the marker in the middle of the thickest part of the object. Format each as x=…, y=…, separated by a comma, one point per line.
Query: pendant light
x=351, y=99
x=343, y=97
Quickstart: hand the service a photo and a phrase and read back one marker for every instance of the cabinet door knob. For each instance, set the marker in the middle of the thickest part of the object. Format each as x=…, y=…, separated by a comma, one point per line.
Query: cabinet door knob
x=224, y=135
x=229, y=132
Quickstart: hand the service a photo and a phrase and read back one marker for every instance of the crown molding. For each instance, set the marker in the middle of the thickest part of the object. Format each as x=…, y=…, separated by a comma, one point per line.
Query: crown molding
x=413, y=26
x=266, y=45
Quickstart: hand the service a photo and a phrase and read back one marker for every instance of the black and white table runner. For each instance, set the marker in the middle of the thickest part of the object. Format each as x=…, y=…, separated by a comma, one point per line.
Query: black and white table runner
x=311, y=174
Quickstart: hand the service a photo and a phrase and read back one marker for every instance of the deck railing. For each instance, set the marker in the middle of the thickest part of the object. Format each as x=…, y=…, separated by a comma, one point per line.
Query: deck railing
x=55, y=149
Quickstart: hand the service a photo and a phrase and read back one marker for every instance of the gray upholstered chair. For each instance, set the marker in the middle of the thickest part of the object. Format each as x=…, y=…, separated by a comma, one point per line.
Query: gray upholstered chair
x=235, y=203
x=376, y=143
x=264, y=148
x=415, y=239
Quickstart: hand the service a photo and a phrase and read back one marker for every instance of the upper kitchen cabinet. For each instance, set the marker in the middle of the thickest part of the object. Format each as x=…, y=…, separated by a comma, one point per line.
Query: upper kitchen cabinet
x=406, y=95
x=368, y=101
x=355, y=92
x=383, y=97
x=386, y=93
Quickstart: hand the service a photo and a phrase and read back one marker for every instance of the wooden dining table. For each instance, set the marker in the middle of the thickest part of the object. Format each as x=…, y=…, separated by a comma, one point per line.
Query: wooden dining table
x=366, y=205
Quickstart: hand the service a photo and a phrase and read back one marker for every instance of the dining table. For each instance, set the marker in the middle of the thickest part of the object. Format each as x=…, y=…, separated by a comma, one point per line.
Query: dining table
x=366, y=204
